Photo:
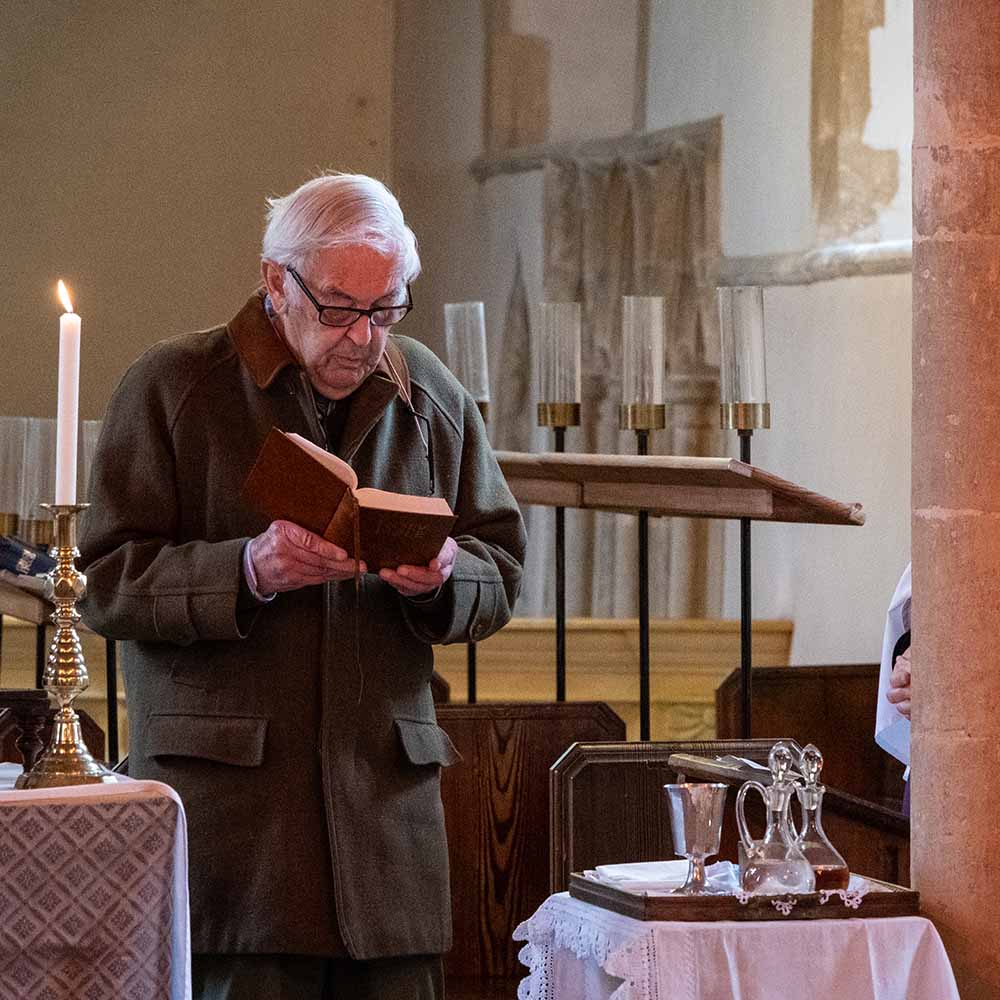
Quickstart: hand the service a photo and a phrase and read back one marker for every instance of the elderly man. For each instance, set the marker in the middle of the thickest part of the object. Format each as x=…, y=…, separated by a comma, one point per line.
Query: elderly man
x=290, y=707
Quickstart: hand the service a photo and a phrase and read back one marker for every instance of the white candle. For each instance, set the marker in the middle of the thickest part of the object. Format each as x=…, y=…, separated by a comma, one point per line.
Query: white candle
x=68, y=407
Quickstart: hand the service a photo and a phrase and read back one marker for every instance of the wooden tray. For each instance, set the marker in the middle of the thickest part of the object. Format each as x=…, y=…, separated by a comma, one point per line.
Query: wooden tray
x=882, y=900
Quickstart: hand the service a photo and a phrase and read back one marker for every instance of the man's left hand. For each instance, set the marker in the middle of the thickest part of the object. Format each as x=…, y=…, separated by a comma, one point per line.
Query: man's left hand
x=412, y=581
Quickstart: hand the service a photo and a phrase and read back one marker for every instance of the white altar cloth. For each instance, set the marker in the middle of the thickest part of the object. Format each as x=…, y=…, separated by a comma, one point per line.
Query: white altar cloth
x=93, y=891
x=577, y=951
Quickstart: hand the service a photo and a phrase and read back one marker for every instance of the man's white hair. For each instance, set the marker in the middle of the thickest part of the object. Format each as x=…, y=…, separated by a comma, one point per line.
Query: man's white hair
x=335, y=210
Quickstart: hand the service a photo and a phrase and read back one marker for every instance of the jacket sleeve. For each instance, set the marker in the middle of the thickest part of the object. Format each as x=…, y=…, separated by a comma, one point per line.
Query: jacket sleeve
x=478, y=599
x=142, y=582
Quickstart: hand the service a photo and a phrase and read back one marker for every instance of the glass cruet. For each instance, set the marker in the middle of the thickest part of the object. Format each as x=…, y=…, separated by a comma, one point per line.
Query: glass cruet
x=773, y=865
x=829, y=867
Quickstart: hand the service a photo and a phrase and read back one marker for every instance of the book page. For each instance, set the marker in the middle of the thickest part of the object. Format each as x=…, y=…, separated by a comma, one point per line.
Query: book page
x=336, y=465
x=384, y=500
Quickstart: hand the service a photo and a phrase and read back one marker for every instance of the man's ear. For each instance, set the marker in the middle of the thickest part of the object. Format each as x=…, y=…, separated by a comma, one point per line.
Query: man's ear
x=273, y=276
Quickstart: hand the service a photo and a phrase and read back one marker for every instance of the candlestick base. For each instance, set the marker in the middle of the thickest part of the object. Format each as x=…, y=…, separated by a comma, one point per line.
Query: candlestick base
x=66, y=761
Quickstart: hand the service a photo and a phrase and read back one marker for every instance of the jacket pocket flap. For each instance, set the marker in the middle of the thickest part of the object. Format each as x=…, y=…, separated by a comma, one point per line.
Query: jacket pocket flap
x=426, y=743
x=228, y=739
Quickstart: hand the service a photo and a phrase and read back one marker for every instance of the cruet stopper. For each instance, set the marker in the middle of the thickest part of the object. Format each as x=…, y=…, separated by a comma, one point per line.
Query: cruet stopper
x=780, y=761
x=811, y=764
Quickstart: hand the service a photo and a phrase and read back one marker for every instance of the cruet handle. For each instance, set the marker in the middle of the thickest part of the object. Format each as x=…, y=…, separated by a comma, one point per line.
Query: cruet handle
x=741, y=820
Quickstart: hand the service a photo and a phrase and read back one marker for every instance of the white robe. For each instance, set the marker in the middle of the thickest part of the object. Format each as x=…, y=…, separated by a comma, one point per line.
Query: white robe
x=892, y=731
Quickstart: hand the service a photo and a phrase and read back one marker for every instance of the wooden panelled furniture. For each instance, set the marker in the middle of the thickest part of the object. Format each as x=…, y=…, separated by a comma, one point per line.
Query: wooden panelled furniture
x=26, y=727
x=608, y=806
x=497, y=814
x=831, y=706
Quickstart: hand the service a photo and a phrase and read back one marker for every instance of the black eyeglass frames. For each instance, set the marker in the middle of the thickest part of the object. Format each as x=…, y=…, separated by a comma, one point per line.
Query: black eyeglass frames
x=344, y=316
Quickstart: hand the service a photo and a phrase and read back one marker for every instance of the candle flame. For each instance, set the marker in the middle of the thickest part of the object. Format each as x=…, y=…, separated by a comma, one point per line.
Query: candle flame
x=64, y=297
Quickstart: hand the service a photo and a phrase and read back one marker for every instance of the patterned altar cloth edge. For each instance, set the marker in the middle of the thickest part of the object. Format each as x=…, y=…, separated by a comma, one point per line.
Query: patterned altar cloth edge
x=577, y=951
x=93, y=893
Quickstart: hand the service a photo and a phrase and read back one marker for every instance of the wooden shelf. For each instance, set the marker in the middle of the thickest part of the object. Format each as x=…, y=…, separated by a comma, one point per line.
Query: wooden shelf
x=668, y=486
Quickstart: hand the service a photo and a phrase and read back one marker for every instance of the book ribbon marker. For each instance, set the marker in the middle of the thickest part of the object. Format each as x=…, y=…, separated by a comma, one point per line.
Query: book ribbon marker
x=357, y=597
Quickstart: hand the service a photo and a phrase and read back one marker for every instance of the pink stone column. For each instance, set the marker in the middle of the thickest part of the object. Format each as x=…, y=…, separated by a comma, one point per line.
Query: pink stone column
x=956, y=482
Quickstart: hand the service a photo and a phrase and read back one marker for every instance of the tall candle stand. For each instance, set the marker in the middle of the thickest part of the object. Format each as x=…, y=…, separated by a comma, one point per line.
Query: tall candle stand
x=643, y=418
x=643, y=411
x=559, y=382
x=559, y=416
x=465, y=342
x=66, y=761
x=744, y=408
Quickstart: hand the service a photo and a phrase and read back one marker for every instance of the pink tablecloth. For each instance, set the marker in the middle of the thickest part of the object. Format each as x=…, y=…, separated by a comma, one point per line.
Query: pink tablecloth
x=93, y=892
x=576, y=951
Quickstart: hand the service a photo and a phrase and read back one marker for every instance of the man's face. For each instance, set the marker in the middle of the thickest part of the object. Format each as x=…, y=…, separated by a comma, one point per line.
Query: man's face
x=336, y=359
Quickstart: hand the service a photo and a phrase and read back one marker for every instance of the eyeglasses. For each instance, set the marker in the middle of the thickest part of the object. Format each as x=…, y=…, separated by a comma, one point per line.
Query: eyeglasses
x=344, y=316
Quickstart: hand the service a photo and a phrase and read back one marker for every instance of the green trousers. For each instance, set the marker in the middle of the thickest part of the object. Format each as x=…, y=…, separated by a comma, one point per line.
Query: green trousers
x=302, y=977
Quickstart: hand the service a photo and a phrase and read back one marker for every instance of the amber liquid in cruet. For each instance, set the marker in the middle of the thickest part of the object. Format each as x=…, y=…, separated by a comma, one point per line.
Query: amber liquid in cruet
x=831, y=877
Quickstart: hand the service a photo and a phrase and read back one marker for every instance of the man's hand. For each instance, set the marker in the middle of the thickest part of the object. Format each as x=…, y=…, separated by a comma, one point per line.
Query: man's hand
x=411, y=581
x=287, y=556
x=899, y=684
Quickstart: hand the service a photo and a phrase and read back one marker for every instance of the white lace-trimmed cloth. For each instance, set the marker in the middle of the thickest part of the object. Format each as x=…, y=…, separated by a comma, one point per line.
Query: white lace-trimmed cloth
x=93, y=892
x=576, y=951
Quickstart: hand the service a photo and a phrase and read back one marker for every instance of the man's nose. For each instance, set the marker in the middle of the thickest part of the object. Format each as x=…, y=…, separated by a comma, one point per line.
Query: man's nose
x=360, y=331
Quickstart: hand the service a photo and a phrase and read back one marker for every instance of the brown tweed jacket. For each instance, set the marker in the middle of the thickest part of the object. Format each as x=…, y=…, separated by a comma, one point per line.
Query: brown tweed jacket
x=310, y=776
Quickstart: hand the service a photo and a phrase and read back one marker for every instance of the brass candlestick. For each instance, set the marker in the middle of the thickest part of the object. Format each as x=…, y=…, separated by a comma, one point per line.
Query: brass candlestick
x=66, y=761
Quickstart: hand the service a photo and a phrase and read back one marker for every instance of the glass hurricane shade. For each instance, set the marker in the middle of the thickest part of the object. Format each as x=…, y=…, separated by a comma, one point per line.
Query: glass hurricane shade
x=465, y=344
x=743, y=373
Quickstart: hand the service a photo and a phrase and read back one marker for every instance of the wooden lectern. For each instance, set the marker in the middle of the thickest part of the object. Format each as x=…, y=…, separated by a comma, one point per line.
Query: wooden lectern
x=674, y=486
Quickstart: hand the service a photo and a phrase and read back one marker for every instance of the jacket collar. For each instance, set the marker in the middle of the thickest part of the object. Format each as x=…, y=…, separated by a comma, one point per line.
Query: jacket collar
x=265, y=356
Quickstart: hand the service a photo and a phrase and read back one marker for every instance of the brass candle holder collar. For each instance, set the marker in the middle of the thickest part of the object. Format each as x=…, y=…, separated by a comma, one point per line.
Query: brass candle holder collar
x=66, y=761
x=642, y=416
x=745, y=416
x=558, y=414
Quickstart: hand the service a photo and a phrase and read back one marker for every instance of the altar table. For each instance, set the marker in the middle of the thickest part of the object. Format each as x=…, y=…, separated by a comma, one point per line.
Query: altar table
x=577, y=951
x=93, y=892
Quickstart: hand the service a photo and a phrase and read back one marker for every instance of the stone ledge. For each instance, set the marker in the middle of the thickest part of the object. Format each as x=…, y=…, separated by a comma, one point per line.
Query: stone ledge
x=805, y=267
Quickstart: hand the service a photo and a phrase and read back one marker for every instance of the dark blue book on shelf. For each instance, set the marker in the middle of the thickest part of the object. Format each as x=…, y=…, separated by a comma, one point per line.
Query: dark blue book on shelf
x=23, y=559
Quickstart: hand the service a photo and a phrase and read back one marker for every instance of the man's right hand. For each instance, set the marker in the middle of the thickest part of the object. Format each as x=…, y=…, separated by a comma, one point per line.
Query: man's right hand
x=899, y=684
x=287, y=557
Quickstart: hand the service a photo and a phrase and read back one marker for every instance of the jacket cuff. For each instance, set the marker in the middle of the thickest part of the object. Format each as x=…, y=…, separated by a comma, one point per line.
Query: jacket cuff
x=197, y=615
x=466, y=608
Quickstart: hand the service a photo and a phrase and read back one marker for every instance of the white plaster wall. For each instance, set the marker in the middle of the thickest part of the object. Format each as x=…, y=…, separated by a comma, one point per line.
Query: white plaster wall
x=748, y=60
x=890, y=124
x=593, y=48
x=838, y=366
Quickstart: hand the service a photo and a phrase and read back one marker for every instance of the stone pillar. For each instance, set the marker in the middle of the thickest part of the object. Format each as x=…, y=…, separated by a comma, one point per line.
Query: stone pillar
x=956, y=481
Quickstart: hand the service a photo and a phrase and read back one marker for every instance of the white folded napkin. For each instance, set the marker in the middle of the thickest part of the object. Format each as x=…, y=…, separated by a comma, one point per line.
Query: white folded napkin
x=663, y=876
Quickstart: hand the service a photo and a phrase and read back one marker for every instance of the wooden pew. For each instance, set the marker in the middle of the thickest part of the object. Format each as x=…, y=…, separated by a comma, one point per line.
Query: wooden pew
x=496, y=805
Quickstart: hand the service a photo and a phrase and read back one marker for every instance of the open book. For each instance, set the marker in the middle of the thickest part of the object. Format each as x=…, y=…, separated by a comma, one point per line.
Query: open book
x=296, y=480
